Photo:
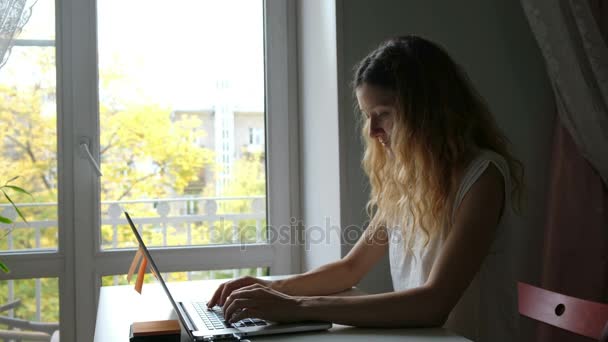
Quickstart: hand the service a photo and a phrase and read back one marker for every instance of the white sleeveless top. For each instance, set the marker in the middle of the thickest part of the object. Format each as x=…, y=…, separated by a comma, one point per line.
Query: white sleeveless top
x=487, y=310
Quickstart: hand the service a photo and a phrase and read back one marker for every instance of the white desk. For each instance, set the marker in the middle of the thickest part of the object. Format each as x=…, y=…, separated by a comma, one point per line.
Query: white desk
x=119, y=306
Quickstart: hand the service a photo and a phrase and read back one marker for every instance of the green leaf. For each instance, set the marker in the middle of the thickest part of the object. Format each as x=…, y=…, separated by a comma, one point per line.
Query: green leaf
x=4, y=268
x=15, y=206
x=12, y=179
x=5, y=220
x=18, y=189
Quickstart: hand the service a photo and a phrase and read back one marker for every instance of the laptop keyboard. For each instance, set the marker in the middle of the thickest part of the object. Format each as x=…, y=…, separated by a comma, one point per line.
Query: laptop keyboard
x=214, y=318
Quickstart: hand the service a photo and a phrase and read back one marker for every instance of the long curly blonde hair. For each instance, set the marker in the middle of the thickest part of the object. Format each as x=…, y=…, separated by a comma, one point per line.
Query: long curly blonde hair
x=441, y=120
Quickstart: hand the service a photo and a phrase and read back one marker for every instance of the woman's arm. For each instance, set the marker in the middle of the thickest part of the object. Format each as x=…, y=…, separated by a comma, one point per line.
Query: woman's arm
x=340, y=275
x=468, y=243
x=463, y=253
x=329, y=279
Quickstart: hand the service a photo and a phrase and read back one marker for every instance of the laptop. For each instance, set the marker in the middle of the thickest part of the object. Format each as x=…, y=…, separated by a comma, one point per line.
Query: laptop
x=204, y=324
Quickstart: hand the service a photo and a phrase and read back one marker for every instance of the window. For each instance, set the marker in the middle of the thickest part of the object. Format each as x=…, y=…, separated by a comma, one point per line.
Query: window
x=256, y=136
x=145, y=91
x=28, y=149
x=159, y=115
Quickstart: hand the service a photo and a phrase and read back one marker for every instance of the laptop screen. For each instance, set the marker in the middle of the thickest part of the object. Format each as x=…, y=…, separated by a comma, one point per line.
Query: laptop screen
x=160, y=277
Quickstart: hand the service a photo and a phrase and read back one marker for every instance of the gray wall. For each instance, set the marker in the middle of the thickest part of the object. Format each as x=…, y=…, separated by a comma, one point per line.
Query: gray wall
x=491, y=40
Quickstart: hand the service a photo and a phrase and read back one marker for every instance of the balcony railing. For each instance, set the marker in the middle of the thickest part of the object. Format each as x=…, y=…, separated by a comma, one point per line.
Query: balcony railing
x=183, y=212
x=223, y=220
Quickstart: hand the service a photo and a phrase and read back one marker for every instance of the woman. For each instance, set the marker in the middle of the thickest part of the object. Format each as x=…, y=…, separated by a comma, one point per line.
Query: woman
x=443, y=191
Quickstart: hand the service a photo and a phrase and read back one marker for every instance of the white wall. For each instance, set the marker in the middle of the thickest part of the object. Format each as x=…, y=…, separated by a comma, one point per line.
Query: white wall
x=319, y=139
x=491, y=39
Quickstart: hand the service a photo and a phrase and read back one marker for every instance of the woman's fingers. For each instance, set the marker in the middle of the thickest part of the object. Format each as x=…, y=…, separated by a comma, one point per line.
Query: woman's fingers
x=216, y=295
x=252, y=287
x=243, y=293
x=235, y=306
x=260, y=302
x=244, y=298
x=226, y=289
x=245, y=313
x=231, y=286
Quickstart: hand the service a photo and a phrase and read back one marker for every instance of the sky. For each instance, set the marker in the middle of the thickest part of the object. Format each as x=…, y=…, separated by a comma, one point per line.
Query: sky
x=175, y=52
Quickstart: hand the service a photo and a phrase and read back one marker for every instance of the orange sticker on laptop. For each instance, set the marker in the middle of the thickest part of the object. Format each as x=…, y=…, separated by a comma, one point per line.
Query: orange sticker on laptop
x=134, y=263
x=140, y=275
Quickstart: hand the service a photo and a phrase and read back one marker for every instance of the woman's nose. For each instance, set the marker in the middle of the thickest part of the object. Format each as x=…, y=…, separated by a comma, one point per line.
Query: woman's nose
x=374, y=129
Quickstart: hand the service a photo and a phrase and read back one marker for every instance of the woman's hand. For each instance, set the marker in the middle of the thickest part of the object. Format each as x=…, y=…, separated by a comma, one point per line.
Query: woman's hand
x=259, y=301
x=224, y=290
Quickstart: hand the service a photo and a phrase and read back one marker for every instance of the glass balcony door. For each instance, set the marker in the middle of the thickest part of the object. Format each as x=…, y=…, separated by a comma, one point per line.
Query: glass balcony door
x=144, y=98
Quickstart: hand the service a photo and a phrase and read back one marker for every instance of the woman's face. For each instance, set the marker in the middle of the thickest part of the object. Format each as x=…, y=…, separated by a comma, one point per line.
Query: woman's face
x=379, y=107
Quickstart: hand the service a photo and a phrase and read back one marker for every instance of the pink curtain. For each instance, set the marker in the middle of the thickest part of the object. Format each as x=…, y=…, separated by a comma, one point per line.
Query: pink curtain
x=572, y=36
x=576, y=235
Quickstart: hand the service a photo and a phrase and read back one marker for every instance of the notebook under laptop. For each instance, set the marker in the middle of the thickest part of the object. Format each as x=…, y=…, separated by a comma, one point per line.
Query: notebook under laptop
x=207, y=325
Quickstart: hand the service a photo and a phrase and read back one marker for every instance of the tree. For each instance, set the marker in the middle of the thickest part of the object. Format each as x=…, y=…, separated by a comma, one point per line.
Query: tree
x=26, y=149
x=145, y=152
x=248, y=179
x=164, y=150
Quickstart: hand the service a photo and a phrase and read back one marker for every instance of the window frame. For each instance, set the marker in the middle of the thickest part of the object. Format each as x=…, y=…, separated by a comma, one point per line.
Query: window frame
x=79, y=263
